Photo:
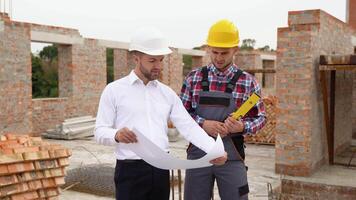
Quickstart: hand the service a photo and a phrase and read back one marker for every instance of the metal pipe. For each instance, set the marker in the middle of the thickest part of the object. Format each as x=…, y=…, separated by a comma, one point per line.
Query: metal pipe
x=180, y=184
x=172, y=184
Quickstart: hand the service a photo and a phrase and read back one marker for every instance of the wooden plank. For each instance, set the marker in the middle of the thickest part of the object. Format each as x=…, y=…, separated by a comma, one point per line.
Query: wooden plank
x=337, y=67
x=324, y=91
x=338, y=60
x=260, y=70
x=332, y=115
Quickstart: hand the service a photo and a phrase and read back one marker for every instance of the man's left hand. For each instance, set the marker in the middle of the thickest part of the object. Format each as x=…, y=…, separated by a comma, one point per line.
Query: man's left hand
x=233, y=125
x=219, y=161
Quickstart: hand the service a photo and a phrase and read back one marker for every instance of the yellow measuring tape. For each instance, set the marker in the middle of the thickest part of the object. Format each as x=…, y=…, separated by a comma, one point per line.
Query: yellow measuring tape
x=246, y=106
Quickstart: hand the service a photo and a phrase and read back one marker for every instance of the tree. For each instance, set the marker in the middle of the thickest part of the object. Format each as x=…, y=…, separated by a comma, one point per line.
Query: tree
x=265, y=48
x=109, y=65
x=248, y=44
x=45, y=73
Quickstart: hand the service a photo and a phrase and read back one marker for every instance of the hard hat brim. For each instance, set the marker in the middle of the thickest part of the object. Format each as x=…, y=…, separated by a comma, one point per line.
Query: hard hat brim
x=158, y=52
x=221, y=45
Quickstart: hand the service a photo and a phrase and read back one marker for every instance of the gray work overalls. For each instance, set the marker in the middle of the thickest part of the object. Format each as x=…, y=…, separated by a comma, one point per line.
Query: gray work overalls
x=231, y=177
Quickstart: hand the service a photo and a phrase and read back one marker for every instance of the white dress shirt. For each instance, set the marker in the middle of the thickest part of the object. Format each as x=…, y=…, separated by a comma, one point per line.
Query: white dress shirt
x=128, y=102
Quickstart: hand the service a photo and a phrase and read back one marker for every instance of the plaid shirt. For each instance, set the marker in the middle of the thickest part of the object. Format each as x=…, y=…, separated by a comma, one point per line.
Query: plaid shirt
x=254, y=120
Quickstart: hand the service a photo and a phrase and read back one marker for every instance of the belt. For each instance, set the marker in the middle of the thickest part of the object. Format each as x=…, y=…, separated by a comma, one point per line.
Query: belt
x=131, y=161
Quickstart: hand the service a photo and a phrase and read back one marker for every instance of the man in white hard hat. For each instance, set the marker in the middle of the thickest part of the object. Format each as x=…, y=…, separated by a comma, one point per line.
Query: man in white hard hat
x=139, y=100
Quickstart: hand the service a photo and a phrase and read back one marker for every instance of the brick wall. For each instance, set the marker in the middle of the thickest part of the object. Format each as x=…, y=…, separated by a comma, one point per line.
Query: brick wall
x=173, y=71
x=301, y=138
x=123, y=63
x=15, y=77
x=293, y=189
x=88, y=78
x=250, y=60
x=351, y=14
x=354, y=107
x=47, y=112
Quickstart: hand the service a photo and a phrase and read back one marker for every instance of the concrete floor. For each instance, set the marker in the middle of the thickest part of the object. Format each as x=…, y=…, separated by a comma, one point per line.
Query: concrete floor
x=259, y=158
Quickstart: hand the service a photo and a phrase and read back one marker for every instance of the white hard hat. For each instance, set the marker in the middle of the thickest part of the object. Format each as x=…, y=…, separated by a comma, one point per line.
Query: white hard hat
x=150, y=41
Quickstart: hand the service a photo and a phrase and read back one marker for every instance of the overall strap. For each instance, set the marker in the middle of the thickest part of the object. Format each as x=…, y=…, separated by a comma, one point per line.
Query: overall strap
x=231, y=85
x=205, y=81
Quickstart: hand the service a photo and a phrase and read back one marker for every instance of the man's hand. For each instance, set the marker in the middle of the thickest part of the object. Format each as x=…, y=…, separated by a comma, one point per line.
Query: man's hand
x=124, y=135
x=219, y=161
x=233, y=125
x=213, y=128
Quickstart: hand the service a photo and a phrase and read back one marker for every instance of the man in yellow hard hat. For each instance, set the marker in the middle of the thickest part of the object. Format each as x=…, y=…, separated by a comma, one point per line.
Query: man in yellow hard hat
x=140, y=101
x=210, y=94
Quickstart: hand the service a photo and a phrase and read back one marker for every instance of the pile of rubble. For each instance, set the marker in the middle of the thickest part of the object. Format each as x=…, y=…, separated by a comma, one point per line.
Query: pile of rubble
x=31, y=168
x=73, y=128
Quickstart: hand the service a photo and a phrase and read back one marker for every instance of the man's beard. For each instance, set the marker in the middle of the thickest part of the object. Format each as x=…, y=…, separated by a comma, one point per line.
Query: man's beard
x=149, y=75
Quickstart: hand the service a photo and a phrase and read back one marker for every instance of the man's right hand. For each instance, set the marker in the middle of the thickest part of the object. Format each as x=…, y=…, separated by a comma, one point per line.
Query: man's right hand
x=124, y=135
x=213, y=128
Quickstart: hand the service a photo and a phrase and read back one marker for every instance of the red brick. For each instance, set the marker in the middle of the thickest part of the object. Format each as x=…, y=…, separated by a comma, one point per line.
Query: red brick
x=8, y=143
x=48, y=183
x=3, y=138
x=50, y=192
x=23, y=140
x=35, y=185
x=57, y=172
x=40, y=155
x=36, y=139
x=8, y=180
x=46, y=164
x=59, y=181
x=20, y=167
x=3, y=169
x=13, y=158
x=51, y=147
x=27, y=196
x=28, y=176
x=26, y=149
x=10, y=136
x=13, y=189
x=60, y=153
x=63, y=161
x=6, y=151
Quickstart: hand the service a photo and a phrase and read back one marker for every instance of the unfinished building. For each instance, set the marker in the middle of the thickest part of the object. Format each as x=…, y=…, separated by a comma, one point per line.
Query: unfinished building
x=303, y=146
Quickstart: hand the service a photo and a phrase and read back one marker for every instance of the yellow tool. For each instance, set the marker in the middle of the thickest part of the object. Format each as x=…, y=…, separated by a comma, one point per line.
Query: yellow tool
x=246, y=106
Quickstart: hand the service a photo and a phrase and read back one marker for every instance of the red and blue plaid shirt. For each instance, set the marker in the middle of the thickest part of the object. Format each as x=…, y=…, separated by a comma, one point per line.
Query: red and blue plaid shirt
x=254, y=120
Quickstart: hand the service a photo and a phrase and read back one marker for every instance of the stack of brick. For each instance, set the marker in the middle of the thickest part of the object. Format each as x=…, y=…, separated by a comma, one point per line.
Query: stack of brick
x=267, y=134
x=31, y=168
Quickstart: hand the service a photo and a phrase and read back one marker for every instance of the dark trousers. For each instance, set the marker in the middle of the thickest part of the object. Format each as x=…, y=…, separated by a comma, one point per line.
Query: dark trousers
x=138, y=180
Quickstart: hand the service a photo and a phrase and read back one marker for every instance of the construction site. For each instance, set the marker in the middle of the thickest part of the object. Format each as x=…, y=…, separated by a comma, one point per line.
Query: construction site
x=307, y=149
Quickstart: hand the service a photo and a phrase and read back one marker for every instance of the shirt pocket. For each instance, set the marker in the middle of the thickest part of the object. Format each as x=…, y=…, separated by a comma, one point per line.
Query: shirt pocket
x=161, y=110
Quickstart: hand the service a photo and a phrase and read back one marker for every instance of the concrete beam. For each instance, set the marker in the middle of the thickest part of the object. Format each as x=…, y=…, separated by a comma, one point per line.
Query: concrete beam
x=354, y=40
x=114, y=44
x=38, y=36
x=268, y=57
x=192, y=52
x=2, y=26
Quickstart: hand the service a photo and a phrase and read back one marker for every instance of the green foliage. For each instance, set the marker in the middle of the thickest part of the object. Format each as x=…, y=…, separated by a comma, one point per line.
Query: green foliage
x=187, y=67
x=248, y=44
x=45, y=73
x=110, y=65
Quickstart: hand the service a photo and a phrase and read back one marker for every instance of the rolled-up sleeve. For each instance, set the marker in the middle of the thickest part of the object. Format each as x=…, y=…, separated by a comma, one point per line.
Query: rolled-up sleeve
x=104, y=127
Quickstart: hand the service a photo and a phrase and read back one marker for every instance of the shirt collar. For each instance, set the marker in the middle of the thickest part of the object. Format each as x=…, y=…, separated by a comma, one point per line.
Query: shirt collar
x=230, y=70
x=133, y=78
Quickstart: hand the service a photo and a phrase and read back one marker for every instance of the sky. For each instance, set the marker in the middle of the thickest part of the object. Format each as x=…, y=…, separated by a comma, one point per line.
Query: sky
x=184, y=22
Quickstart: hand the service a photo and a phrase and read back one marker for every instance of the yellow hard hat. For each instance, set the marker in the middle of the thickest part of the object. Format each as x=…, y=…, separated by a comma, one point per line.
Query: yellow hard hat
x=223, y=34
